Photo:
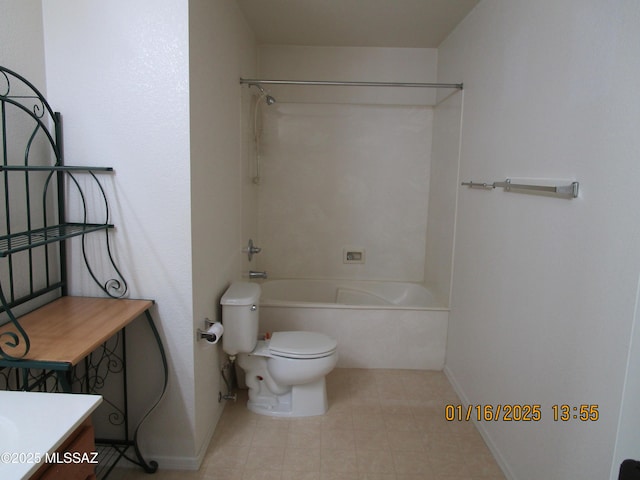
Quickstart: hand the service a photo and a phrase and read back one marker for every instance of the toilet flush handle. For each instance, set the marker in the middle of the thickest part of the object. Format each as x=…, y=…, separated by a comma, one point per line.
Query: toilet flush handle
x=254, y=308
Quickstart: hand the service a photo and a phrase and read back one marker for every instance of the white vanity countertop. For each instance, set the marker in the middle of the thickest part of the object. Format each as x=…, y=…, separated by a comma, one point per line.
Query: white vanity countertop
x=35, y=423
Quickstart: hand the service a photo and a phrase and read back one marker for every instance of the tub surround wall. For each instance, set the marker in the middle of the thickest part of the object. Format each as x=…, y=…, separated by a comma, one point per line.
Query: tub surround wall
x=350, y=173
x=344, y=176
x=445, y=155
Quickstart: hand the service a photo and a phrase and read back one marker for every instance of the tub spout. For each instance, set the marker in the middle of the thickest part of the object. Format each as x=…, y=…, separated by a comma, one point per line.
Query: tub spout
x=253, y=274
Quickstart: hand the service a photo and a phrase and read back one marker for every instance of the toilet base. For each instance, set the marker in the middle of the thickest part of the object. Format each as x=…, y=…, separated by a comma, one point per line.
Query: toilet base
x=305, y=400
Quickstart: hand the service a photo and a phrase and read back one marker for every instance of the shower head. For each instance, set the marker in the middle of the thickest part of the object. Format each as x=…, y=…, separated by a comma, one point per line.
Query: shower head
x=269, y=100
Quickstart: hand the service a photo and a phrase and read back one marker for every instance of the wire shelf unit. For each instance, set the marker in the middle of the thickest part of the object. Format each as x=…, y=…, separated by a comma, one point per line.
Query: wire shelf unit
x=41, y=327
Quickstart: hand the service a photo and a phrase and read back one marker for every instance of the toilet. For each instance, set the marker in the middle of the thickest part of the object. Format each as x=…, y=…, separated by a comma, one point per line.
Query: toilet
x=285, y=373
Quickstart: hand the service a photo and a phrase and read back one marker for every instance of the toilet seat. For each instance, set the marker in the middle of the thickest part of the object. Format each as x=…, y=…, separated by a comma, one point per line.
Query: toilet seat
x=301, y=345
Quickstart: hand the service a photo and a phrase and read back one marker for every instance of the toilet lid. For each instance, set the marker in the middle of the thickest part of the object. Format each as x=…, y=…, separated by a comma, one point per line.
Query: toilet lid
x=301, y=344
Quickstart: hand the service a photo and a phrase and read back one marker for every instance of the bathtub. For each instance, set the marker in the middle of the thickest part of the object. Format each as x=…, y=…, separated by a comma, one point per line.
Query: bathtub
x=377, y=324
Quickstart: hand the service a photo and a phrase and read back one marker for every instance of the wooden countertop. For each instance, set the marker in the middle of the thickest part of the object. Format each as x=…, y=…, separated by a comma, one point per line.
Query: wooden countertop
x=69, y=328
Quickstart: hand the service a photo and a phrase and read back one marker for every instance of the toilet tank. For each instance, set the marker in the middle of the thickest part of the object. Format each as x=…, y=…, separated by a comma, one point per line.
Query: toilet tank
x=240, y=317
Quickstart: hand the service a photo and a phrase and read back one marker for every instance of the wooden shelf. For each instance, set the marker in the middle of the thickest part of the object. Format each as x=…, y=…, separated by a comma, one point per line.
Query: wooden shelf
x=69, y=328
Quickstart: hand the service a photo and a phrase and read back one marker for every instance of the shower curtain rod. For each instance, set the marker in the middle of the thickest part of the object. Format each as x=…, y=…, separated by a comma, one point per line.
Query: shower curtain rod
x=349, y=84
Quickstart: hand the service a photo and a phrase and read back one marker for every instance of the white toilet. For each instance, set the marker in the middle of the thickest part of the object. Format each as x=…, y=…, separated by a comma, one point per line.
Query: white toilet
x=286, y=373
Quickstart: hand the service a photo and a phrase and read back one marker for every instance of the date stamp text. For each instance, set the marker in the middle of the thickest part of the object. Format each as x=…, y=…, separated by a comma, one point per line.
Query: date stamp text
x=520, y=413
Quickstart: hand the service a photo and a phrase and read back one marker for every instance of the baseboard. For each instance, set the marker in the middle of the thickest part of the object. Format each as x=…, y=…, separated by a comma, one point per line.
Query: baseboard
x=165, y=463
x=179, y=463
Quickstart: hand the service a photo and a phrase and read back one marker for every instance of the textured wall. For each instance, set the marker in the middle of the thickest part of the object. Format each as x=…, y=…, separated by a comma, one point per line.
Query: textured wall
x=544, y=289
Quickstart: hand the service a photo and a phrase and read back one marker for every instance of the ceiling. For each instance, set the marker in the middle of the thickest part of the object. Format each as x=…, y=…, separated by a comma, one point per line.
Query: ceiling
x=361, y=23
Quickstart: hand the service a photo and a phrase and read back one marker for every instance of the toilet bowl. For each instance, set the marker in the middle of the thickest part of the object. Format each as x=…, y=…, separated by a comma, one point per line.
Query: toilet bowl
x=285, y=373
x=284, y=382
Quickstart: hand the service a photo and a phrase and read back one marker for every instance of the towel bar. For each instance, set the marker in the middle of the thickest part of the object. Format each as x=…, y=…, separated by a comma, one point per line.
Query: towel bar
x=563, y=191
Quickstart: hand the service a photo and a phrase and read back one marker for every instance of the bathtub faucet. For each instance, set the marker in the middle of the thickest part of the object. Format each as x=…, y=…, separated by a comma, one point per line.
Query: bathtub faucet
x=253, y=274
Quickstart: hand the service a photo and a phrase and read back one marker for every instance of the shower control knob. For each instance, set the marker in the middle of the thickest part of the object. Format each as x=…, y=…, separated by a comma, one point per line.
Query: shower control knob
x=251, y=250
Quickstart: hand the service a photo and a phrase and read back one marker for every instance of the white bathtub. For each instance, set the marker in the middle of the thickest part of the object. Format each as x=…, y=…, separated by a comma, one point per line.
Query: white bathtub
x=377, y=324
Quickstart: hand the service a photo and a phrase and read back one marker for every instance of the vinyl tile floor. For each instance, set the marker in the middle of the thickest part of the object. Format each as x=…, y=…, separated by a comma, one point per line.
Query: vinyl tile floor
x=381, y=425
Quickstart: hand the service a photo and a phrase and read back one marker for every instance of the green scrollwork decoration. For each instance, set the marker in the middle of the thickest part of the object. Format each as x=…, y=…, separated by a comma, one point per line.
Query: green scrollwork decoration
x=17, y=342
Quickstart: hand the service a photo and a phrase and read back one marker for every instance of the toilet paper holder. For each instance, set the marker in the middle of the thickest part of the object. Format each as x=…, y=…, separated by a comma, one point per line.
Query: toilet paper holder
x=212, y=332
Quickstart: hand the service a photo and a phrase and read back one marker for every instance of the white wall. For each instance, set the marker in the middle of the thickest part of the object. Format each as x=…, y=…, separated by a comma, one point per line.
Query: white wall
x=152, y=89
x=544, y=289
x=124, y=94
x=628, y=437
x=344, y=168
x=221, y=49
x=24, y=55
x=19, y=52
